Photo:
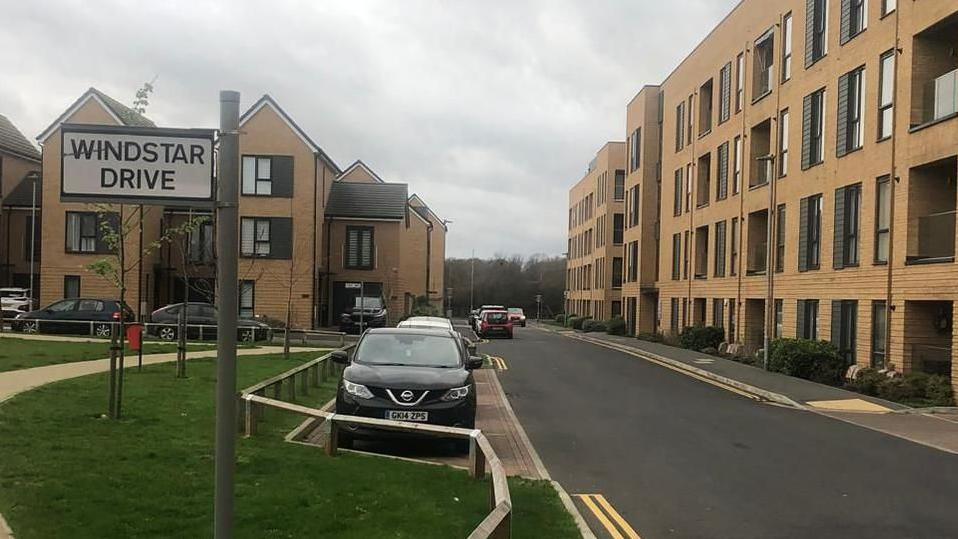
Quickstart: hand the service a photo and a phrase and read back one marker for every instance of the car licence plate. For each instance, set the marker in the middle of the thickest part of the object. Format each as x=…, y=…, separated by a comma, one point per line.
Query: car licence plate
x=407, y=415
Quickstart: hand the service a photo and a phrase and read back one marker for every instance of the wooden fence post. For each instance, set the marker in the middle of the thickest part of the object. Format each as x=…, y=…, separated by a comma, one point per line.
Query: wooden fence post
x=332, y=439
x=477, y=461
x=292, y=388
x=304, y=382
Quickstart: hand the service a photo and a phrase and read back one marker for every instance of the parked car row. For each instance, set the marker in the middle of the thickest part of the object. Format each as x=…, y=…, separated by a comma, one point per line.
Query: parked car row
x=420, y=371
x=496, y=320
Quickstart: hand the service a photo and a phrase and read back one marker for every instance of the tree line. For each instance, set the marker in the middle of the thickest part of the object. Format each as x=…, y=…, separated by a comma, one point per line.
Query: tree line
x=513, y=282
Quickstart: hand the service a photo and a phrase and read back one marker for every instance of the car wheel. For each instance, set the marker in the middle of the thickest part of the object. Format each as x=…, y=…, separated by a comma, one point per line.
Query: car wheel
x=168, y=333
x=30, y=327
x=102, y=330
x=345, y=440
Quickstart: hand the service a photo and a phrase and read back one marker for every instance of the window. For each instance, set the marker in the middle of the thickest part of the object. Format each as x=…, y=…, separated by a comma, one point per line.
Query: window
x=722, y=165
x=732, y=306
x=619, y=192
x=787, y=47
x=879, y=331
x=201, y=243
x=617, y=221
x=703, y=188
x=634, y=206
x=677, y=198
x=780, y=238
x=255, y=236
x=847, y=218
x=688, y=187
x=779, y=319
x=725, y=93
x=685, y=255
x=851, y=107
x=808, y=319
x=690, y=118
x=718, y=312
x=854, y=19
x=886, y=95
x=676, y=254
x=633, y=261
x=360, y=248
x=85, y=231
x=882, y=219
x=816, y=31
x=680, y=126
x=739, y=81
x=763, y=64
x=813, y=129
x=810, y=233
x=247, y=298
x=71, y=286
x=737, y=166
x=635, y=150
x=617, y=272
x=257, y=175
x=720, y=249
x=705, y=108
x=733, y=249
x=844, y=328
x=783, y=143
x=674, y=319
x=887, y=6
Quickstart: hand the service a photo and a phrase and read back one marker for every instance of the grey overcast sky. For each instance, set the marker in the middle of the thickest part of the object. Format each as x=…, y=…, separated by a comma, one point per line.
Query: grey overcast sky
x=490, y=110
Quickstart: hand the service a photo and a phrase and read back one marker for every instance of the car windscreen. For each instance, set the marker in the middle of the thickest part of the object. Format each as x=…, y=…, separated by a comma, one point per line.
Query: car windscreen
x=515, y=310
x=368, y=303
x=408, y=350
x=497, y=318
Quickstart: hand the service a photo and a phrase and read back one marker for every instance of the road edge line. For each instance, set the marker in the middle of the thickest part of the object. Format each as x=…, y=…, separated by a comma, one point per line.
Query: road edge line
x=540, y=466
x=682, y=366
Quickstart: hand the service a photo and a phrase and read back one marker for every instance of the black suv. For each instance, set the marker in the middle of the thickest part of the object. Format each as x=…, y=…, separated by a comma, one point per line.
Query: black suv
x=201, y=320
x=408, y=375
x=79, y=316
x=366, y=312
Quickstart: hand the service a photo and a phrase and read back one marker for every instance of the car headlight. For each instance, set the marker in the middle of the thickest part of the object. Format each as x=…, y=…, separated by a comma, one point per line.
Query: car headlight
x=456, y=393
x=357, y=390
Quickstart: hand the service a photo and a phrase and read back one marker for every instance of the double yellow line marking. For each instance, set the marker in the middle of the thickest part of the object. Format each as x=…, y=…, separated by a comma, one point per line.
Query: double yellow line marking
x=610, y=519
x=499, y=363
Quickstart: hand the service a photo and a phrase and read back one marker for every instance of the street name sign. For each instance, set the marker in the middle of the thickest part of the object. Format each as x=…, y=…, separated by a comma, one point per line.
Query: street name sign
x=353, y=285
x=136, y=165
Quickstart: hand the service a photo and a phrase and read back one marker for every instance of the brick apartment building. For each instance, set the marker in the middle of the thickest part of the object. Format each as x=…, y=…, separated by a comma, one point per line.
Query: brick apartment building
x=292, y=247
x=596, y=217
x=19, y=207
x=797, y=172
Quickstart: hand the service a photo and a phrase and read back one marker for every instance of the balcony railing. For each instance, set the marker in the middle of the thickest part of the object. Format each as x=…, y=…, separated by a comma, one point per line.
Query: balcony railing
x=933, y=238
x=931, y=359
x=757, y=259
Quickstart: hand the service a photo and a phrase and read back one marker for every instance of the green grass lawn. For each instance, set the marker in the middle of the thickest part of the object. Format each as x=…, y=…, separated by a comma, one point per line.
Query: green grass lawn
x=66, y=472
x=18, y=354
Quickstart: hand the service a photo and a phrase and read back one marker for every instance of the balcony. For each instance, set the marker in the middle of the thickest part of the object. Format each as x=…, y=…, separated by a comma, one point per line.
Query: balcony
x=760, y=151
x=932, y=201
x=935, y=74
x=703, y=184
x=701, y=252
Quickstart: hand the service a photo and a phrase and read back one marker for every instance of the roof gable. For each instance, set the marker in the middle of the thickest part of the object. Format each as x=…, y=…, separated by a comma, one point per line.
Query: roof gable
x=13, y=141
x=121, y=113
x=268, y=101
x=359, y=166
x=415, y=201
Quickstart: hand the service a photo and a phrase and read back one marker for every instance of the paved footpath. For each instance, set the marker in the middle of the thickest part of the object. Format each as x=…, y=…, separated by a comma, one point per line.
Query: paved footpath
x=13, y=382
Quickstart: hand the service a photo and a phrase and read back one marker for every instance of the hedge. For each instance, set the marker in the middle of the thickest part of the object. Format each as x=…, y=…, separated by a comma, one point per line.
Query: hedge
x=616, y=326
x=700, y=337
x=818, y=361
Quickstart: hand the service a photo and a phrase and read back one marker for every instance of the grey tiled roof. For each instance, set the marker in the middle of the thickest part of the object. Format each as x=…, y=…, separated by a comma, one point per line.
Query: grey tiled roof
x=367, y=200
x=13, y=141
x=129, y=116
x=22, y=195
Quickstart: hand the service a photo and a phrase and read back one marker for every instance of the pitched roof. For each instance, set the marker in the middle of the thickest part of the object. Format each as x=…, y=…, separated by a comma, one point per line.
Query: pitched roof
x=423, y=209
x=22, y=195
x=367, y=200
x=13, y=141
x=360, y=165
x=123, y=114
x=267, y=100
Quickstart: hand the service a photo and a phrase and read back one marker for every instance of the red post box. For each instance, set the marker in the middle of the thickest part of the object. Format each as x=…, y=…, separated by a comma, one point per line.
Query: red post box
x=134, y=335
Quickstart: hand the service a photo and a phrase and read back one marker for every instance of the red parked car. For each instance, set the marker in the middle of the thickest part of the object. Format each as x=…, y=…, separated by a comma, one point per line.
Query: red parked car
x=495, y=323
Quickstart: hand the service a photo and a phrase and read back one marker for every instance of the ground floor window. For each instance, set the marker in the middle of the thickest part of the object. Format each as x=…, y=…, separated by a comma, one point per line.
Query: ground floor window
x=616, y=309
x=247, y=299
x=71, y=286
x=879, y=329
x=674, y=320
x=718, y=312
x=779, y=319
x=731, y=320
x=844, y=327
x=808, y=319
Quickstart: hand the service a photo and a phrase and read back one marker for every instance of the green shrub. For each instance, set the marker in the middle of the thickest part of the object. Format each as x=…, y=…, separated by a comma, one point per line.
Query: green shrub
x=616, y=326
x=867, y=381
x=650, y=337
x=587, y=325
x=569, y=320
x=939, y=392
x=577, y=323
x=560, y=319
x=818, y=361
x=699, y=337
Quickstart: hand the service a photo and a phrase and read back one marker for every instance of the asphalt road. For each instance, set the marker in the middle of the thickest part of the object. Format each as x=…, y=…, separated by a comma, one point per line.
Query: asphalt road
x=677, y=457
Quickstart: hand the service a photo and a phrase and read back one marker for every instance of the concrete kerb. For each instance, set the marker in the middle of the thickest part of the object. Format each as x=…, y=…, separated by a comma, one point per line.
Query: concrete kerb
x=758, y=392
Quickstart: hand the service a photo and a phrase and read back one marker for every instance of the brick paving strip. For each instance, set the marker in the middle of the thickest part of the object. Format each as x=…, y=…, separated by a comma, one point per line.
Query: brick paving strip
x=933, y=428
x=15, y=382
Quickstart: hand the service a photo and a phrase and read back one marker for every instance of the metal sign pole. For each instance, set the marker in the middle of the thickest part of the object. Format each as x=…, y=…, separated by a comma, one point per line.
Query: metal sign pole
x=362, y=305
x=227, y=215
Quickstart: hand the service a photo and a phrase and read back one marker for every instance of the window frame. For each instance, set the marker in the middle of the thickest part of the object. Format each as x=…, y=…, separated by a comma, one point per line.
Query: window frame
x=879, y=353
x=96, y=238
x=780, y=238
x=885, y=10
x=816, y=152
x=810, y=316
x=739, y=82
x=257, y=180
x=241, y=308
x=737, y=165
x=765, y=42
x=734, y=233
x=883, y=105
x=68, y=280
x=813, y=234
x=784, y=121
x=256, y=246
x=851, y=255
x=881, y=231
x=359, y=265
x=819, y=34
x=787, y=47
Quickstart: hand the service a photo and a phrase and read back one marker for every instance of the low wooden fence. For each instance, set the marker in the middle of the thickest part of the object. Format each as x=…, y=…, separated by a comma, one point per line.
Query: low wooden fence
x=253, y=402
